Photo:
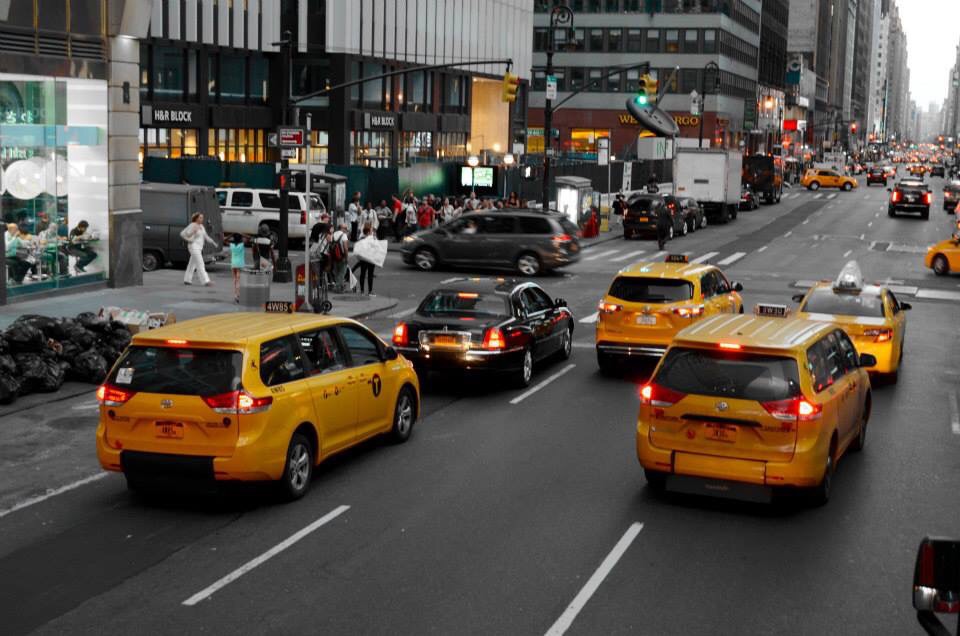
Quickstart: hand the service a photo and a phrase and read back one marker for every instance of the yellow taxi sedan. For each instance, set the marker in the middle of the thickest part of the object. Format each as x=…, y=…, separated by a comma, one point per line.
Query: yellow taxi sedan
x=746, y=406
x=871, y=315
x=250, y=397
x=816, y=179
x=944, y=257
x=648, y=302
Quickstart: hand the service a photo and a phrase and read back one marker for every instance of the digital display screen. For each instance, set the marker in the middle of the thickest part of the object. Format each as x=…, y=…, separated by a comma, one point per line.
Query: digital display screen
x=466, y=176
x=483, y=177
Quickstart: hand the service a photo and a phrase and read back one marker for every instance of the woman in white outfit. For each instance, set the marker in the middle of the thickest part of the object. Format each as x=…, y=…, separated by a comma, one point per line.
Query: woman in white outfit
x=196, y=235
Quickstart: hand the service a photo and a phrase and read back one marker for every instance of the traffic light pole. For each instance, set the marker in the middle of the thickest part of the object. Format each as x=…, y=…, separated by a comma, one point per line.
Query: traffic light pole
x=559, y=16
x=282, y=270
x=703, y=97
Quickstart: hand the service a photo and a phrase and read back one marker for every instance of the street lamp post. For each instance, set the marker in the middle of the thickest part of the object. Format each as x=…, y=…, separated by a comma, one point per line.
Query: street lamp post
x=559, y=16
x=282, y=271
x=703, y=95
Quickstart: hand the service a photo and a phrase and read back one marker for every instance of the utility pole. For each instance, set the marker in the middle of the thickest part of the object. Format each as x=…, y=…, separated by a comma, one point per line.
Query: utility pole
x=559, y=16
x=703, y=94
x=282, y=273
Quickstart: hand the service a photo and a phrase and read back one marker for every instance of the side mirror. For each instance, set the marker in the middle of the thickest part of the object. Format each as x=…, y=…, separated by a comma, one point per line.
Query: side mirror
x=389, y=353
x=737, y=287
x=906, y=306
x=797, y=298
x=868, y=360
x=559, y=302
x=936, y=578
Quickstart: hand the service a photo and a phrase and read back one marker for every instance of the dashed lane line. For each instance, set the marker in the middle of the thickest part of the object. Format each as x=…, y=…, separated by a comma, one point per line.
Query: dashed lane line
x=450, y=280
x=53, y=492
x=954, y=413
x=847, y=253
x=628, y=255
x=832, y=195
x=733, y=258
x=818, y=195
x=523, y=396
x=601, y=255
x=592, y=318
x=762, y=249
x=787, y=235
x=705, y=257
x=401, y=314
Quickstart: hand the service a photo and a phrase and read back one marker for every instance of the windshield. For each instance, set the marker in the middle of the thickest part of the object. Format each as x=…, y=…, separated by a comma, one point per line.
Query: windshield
x=650, y=290
x=745, y=376
x=450, y=302
x=827, y=301
x=178, y=371
x=643, y=205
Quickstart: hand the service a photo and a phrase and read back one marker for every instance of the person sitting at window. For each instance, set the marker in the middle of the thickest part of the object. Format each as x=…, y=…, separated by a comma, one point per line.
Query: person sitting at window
x=17, y=265
x=77, y=246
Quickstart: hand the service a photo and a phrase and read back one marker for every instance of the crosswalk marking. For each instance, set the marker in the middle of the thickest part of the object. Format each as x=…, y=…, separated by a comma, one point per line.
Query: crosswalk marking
x=591, y=318
x=601, y=255
x=793, y=196
x=628, y=255
x=705, y=257
x=658, y=255
x=732, y=258
x=831, y=195
x=818, y=195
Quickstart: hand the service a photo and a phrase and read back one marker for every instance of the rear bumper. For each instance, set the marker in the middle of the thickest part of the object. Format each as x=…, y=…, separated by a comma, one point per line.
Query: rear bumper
x=473, y=360
x=910, y=207
x=887, y=360
x=631, y=350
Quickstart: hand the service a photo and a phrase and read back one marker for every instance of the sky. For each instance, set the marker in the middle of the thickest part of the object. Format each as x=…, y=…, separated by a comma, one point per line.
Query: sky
x=933, y=32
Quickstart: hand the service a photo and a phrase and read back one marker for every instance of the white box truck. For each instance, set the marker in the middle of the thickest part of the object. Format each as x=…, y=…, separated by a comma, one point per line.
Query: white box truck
x=712, y=177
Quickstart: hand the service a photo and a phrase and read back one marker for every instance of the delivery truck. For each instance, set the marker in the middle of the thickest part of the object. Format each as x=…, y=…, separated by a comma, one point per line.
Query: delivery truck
x=712, y=177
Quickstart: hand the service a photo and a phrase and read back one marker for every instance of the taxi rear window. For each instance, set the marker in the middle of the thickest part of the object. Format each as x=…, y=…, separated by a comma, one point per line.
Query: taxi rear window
x=633, y=289
x=745, y=376
x=449, y=302
x=178, y=370
x=827, y=301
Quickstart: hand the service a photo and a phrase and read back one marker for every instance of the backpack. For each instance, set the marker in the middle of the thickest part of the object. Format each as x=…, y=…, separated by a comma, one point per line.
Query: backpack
x=337, y=252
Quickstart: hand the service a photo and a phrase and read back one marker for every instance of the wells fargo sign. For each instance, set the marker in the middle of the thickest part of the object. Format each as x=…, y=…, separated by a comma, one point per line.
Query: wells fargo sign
x=627, y=119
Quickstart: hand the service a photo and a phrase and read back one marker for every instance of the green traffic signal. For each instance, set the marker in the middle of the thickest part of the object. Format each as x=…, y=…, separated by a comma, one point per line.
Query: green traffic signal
x=641, y=99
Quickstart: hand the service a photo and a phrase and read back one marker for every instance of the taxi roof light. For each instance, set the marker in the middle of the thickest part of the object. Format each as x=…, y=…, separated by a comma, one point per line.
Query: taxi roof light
x=771, y=310
x=850, y=278
x=677, y=258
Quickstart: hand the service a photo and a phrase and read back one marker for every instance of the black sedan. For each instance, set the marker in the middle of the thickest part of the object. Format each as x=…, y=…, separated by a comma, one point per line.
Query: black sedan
x=910, y=195
x=479, y=324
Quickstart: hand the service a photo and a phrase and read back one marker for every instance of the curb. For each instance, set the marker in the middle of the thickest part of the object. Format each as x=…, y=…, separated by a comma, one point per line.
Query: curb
x=374, y=312
x=49, y=398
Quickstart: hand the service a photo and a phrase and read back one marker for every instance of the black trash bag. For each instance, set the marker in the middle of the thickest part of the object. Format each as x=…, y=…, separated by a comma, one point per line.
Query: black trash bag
x=119, y=341
x=79, y=335
x=91, y=321
x=9, y=388
x=109, y=353
x=7, y=364
x=71, y=350
x=49, y=326
x=32, y=368
x=53, y=377
x=25, y=338
x=90, y=367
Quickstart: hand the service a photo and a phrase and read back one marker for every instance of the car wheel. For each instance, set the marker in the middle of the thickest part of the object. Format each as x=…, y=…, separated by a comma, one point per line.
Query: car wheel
x=404, y=415
x=847, y=187
x=670, y=236
x=891, y=212
x=425, y=259
x=814, y=185
x=566, y=343
x=524, y=374
x=820, y=494
x=606, y=363
x=693, y=224
x=940, y=265
x=298, y=468
x=683, y=228
x=151, y=261
x=656, y=480
x=528, y=264
x=861, y=438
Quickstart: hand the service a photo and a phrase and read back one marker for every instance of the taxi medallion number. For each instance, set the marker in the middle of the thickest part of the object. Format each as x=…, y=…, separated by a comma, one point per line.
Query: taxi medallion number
x=170, y=430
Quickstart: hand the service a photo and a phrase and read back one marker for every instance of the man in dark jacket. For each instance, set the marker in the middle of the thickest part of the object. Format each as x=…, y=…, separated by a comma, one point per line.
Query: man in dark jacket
x=664, y=223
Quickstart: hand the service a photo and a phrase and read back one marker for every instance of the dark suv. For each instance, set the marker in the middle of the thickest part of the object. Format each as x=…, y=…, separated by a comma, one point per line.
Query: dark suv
x=529, y=241
x=643, y=210
x=910, y=196
x=876, y=174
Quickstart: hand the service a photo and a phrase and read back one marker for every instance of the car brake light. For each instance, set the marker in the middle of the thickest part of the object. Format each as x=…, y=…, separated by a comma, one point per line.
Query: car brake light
x=237, y=402
x=730, y=346
x=656, y=395
x=468, y=295
x=401, y=337
x=246, y=403
x=895, y=197
x=927, y=198
x=303, y=217
x=795, y=408
x=493, y=339
x=879, y=335
x=608, y=308
x=562, y=238
x=109, y=395
x=689, y=312
x=176, y=342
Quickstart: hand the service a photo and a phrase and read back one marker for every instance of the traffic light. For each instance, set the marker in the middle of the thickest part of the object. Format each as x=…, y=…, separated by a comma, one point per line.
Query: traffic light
x=853, y=128
x=646, y=92
x=511, y=84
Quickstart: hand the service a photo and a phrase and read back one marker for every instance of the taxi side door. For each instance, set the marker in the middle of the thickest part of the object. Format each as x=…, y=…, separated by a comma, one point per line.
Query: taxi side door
x=334, y=398
x=821, y=358
x=283, y=370
x=829, y=179
x=898, y=317
x=731, y=299
x=714, y=300
x=367, y=373
x=845, y=381
x=858, y=382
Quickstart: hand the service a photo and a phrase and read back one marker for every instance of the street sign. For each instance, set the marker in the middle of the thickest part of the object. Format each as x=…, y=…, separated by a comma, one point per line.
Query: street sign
x=291, y=136
x=603, y=151
x=551, y=87
x=288, y=153
x=272, y=139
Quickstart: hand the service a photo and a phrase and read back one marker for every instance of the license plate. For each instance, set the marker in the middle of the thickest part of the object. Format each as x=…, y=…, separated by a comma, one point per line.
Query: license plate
x=170, y=430
x=574, y=247
x=643, y=219
x=720, y=432
x=450, y=341
x=911, y=199
x=646, y=320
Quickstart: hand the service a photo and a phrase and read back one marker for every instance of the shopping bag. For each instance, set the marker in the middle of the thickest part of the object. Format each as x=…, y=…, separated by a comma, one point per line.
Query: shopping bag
x=372, y=251
x=353, y=282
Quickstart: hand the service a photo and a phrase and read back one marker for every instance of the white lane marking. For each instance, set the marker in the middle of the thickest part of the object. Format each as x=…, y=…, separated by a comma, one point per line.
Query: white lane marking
x=938, y=294
x=601, y=255
x=401, y=314
x=590, y=319
x=628, y=255
x=818, y=195
x=873, y=244
x=805, y=221
x=831, y=195
x=795, y=195
x=805, y=283
x=583, y=596
x=787, y=235
x=863, y=236
x=654, y=257
x=705, y=257
x=954, y=413
x=585, y=345
x=266, y=556
x=523, y=396
x=847, y=253
x=876, y=215
x=52, y=492
x=450, y=280
x=732, y=258
x=85, y=407
x=870, y=224
x=762, y=248
x=904, y=290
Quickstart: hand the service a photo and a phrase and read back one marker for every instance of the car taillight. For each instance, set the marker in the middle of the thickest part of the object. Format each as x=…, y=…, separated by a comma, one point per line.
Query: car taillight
x=879, y=335
x=656, y=395
x=493, y=339
x=237, y=402
x=109, y=395
x=896, y=196
x=303, y=217
x=608, y=308
x=401, y=336
x=689, y=312
x=927, y=198
x=562, y=238
x=795, y=408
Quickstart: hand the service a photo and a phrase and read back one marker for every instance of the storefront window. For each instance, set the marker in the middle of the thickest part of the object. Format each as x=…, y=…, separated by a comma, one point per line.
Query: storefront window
x=232, y=75
x=370, y=148
x=415, y=145
x=53, y=176
x=585, y=139
x=319, y=146
x=259, y=79
x=451, y=145
x=168, y=81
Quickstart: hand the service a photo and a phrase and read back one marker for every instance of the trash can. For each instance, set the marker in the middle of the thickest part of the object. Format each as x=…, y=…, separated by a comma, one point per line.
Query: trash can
x=254, y=287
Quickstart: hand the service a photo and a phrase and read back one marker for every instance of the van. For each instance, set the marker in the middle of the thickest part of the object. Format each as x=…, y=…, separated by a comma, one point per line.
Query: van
x=247, y=210
x=167, y=208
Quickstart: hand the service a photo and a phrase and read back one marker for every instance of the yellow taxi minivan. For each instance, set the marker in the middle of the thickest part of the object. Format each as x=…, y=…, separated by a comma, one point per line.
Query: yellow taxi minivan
x=746, y=406
x=648, y=302
x=251, y=397
x=819, y=178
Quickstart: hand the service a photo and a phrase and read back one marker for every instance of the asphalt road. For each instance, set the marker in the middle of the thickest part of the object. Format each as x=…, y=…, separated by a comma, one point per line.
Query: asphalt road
x=518, y=517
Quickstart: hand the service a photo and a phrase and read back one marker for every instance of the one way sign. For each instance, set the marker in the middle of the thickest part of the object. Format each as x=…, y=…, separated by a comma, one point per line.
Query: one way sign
x=272, y=139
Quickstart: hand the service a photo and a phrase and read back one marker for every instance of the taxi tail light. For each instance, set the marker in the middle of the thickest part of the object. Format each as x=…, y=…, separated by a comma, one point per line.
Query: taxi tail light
x=795, y=408
x=493, y=339
x=896, y=196
x=401, y=335
x=109, y=395
x=879, y=335
x=237, y=402
x=689, y=312
x=927, y=198
x=608, y=308
x=656, y=395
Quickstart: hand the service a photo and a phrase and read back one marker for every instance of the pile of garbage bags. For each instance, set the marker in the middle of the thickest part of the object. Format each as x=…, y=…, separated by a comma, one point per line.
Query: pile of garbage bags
x=38, y=354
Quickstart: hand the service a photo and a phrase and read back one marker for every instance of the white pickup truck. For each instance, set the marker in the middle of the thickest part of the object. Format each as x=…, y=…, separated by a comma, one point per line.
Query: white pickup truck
x=246, y=210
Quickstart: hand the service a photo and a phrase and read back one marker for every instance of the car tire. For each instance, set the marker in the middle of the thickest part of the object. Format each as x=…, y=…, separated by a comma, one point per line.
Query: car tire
x=940, y=265
x=566, y=344
x=151, y=261
x=404, y=416
x=606, y=363
x=861, y=439
x=670, y=236
x=425, y=259
x=528, y=264
x=891, y=212
x=820, y=494
x=524, y=374
x=847, y=187
x=814, y=185
x=693, y=224
x=297, y=469
x=656, y=480
x=683, y=228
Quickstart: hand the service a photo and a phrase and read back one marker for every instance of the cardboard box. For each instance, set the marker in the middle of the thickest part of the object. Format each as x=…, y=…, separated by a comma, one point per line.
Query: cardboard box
x=138, y=320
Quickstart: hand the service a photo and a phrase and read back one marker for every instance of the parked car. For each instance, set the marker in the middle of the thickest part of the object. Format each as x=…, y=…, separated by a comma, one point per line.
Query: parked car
x=167, y=208
x=693, y=214
x=246, y=210
x=822, y=178
x=910, y=196
x=876, y=174
x=748, y=200
x=528, y=241
x=643, y=210
x=951, y=196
